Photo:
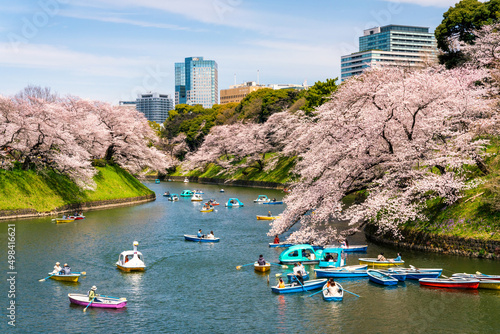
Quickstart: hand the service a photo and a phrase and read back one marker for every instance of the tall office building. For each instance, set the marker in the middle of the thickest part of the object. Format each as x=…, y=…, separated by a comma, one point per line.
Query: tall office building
x=154, y=106
x=392, y=45
x=196, y=82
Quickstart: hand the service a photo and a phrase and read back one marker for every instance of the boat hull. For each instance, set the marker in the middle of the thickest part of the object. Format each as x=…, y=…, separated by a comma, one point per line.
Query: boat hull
x=103, y=302
x=343, y=272
x=493, y=285
x=308, y=286
x=267, y=217
x=374, y=262
x=129, y=269
x=291, y=277
x=197, y=239
x=272, y=203
x=209, y=210
x=66, y=278
x=380, y=278
x=449, y=283
x=280, y=245
x=416, y=274
x=263, y=268
x=62, y=221
x=355, y=248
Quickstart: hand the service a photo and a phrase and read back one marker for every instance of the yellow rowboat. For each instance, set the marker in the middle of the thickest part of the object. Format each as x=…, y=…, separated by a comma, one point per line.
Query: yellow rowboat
x=263, y=268
x=66, y=278
x=267, y=217
x=207, y=210
x=60, y=220
x=374, y=262
x=487, y=284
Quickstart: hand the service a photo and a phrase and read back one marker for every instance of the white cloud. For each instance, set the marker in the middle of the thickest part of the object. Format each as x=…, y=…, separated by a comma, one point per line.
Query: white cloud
x=428, y=3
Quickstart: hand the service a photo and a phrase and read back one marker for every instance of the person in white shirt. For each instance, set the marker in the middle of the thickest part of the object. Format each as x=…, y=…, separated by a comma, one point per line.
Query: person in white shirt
x=57, y=268
x=211, y=235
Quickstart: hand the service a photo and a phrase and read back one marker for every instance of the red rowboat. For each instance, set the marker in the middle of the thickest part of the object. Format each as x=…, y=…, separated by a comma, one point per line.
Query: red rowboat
x=454, y=282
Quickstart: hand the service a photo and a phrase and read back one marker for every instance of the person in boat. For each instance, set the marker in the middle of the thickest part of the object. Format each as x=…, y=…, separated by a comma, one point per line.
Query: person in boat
x=64, y=217
x=297, y=271
x=281, y=284
x=261, y=260
x=332, y=288
x=92, y=294
x=276, y=239
x=66, y=270
x=269, y=214
x=200, y=235
x=328, y=257
x=397, y=259
x=381, y=257
x=57, y=268
x=274, y=199
x=211, y=235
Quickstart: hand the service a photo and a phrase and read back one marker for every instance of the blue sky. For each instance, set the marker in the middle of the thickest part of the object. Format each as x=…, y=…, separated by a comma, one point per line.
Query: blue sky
x=112, y=50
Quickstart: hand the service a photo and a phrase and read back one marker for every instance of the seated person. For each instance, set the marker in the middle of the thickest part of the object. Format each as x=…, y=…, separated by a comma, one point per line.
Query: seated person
x=211, y=235
x=66, y=270
x=200, y=235
x=57, y=269
x=269, y=214
x=397, y=259
x=281, y=284
x=328, y=257
x=261, y=261
x=381, y=257
x=332, y=288
x=276, y=239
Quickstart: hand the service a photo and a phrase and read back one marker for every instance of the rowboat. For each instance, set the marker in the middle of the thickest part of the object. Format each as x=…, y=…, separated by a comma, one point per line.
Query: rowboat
x=166, y=194
x=486, y=284
x=296, y=287
x=355, y=248
x=196, y=198
x=399, y=275
x=293, y=278
x=195, y=238
x=262, y=268
x=65, y=278
x=379, y=277
x=478, y=276
x=212, y=203
x=210, y=209
x=233, y=202
x=64, y=220
x=77, y=217
x=344, y=272
x=173, y=197
x=261, y=199
x=222, y=190
x=414, y=273
x=455, y=282
x=273, y=202
x=131, y=260
x=186, y=193
x=375, y=262
x=267, y=217
x=100, y=301
x=280, y=245
x=336, y=296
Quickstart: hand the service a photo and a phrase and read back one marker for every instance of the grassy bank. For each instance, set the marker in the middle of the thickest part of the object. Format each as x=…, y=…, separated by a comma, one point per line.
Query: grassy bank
x=29, y=190
x=281, y=173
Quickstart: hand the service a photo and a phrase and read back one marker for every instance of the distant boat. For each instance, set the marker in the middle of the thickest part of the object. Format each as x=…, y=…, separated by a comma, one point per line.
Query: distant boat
x=186, y=180
x=267, y=217
x=222, y=190
x=66, y=278
x=233, y=202
x=261, y=199
x=173, y=197
x=262, y=268
x=99, y=302
x=454, y=282
x=157, y=181
x=375, y=262
x=196, y=198
x=297, y=287
x=186, y=193
x=188, y=237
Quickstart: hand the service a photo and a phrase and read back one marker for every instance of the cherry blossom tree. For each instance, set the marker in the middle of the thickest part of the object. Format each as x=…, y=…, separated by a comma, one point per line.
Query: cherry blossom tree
x=404, y=136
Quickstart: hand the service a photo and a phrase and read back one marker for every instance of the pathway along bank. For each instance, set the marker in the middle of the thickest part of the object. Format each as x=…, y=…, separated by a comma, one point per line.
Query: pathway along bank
x=418, y=240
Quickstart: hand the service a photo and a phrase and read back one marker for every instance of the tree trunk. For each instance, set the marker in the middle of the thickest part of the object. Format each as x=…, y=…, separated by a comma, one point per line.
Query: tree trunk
x=109, y=153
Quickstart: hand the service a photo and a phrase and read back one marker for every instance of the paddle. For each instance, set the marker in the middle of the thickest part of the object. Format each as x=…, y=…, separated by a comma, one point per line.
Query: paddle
x=85, y=309
x=299, y=282
x=111, y=297
x=317, y=292
x=239, y=267
x=83, y=273
x=479, y=273
x=43, y=279
x=352, y=293
x=281, y=265
x=278, y=275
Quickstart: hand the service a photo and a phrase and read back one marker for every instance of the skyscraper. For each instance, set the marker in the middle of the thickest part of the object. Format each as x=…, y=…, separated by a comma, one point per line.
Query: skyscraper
x=196, y=82
x=391, y=45
x=154, y=106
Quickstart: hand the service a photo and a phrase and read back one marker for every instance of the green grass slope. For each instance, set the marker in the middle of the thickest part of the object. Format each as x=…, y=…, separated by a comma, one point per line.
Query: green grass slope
x=45, y=192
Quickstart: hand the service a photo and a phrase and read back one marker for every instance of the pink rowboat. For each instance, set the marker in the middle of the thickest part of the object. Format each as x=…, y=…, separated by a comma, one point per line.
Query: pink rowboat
x=100, y=301
x=454, y=283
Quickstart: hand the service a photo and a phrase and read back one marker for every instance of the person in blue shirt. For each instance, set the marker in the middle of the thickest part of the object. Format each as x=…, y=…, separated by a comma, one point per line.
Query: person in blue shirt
x=200, y=235
x=397, y=259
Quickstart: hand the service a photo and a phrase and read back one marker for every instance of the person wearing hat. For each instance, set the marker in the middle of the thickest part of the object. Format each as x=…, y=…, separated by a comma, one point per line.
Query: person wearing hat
x=57, y=268
x=66, y=270
x=92, y=294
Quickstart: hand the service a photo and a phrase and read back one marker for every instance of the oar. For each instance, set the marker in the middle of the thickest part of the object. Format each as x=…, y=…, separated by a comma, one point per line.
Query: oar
x=85, y=309
x=281, y=265
x=83, y=273
x=278, y=275
x=317, y=292
x=299, y=282
x=110, y=297
x=43, y=279
x=239, y=267
x=352, y=293
x=479, y=273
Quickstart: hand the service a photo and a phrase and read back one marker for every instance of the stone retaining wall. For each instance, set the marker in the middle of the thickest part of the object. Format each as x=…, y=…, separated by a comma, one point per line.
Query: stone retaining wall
x=489, y=249
x=71, y=208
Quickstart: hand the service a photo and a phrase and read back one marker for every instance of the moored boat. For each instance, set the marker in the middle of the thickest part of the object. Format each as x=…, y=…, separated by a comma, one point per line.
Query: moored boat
x=65, y=278
x=195, y=238
x=379, y=277
x=479, y=276
x=131, y=260
x=297, y=287
x=343, y=272
x=487, y=284
x=416, y=274
x=293, y=278
x=333, y=296
x=262, y=268
x=375, y=262
x=355, y=248
x=267, y=217
x=64, y=220
x=399, y=275
x=99, y=301
x=454, y=282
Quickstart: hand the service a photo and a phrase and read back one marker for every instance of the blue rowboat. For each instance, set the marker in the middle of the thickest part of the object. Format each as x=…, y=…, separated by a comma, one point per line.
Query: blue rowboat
x=379, y=277
x=399, y=275
x=344, y=272
x=355, y=248
x=271, y=202
x=198, y=239
x=335, y=296
x=414, y=273
x=292, y=278
x=296, y=287
x=280, y=245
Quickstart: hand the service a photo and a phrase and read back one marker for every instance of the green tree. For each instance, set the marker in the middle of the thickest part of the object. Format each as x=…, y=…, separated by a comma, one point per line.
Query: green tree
x=319, y=93
x=459, y=22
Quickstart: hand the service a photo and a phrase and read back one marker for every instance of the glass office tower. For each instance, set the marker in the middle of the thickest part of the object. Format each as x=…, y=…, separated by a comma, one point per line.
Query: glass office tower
x=196, y=82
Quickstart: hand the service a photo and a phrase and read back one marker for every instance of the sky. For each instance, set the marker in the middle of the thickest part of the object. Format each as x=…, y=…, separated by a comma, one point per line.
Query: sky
x=112, y=50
